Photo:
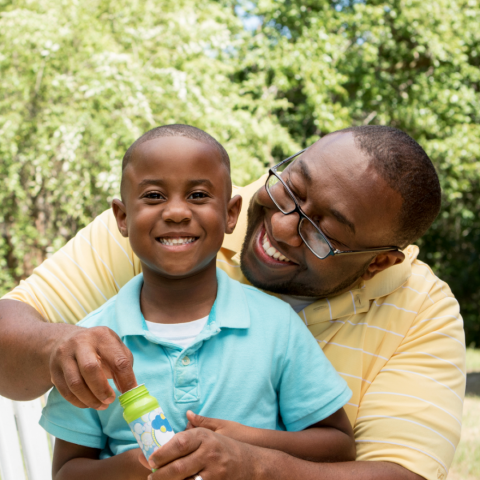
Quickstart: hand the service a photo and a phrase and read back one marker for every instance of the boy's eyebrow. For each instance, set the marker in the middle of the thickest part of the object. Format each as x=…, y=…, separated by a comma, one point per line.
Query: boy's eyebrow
x=151, y=181
x=200, y=181
x=191, y=183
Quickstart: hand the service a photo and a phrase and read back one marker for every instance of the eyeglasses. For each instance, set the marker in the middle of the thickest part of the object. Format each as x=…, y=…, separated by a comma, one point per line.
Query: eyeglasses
x=308, y=230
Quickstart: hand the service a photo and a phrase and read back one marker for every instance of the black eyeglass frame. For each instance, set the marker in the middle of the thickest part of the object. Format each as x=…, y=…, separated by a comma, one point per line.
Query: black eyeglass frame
x=303, y=216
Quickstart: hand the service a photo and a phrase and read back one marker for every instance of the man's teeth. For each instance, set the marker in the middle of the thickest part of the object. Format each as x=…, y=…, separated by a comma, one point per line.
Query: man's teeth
x=272, y=251
x=176, y=241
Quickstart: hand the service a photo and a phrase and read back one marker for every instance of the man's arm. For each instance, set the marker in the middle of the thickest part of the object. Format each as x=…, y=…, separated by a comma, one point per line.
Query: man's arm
x=35, y=355
x=75, y=462
x=330, y=440
x=217, y=457
x=39, y=344
x=25, y=344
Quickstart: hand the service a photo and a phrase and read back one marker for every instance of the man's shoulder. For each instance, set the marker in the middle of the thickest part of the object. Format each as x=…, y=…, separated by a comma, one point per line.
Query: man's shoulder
x=422, y=287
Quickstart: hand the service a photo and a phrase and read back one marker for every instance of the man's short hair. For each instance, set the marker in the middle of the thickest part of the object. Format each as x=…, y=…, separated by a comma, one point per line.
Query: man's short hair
x=176, y=130
x=407, y=169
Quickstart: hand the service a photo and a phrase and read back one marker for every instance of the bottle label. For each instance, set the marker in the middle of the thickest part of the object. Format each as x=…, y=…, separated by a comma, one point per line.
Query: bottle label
x=151, y=431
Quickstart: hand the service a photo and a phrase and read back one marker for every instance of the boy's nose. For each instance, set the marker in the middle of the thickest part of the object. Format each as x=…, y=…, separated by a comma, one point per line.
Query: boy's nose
x=177, y=212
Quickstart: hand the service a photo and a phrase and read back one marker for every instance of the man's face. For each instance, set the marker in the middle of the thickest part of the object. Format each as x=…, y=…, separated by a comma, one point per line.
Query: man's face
x=353, y=206
x=176, y=206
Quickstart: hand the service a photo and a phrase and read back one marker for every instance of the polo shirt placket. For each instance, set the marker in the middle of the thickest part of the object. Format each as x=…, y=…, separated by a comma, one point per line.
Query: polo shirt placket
x=185, y=363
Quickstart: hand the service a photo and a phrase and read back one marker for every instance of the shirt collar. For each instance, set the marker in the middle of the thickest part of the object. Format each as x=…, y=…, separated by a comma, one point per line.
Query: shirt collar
x=359, y=299
x=230, y=309
x=389, y=280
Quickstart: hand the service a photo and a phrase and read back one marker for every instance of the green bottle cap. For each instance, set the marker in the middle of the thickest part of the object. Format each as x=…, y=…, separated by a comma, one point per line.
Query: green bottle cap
x=131, y=395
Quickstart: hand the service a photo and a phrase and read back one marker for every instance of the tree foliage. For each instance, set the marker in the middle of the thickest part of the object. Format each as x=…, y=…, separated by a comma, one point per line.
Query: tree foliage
x=81, y=80
x=410, y=64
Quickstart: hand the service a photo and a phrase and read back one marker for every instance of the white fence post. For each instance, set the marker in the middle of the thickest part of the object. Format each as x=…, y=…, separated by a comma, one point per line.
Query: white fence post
x=11, y=464
x=34, y=440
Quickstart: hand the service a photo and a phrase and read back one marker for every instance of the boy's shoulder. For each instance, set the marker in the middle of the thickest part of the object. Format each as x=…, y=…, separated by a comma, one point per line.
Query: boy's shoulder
x=103, y=316
x=256, y=295
x=270, y=308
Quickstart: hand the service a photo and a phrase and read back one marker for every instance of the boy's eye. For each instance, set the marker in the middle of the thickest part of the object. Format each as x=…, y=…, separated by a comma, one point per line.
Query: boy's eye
x=197, y=196
x=154, y=196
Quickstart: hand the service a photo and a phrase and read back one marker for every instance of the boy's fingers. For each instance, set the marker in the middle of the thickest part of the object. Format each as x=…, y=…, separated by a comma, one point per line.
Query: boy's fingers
x=204, y=422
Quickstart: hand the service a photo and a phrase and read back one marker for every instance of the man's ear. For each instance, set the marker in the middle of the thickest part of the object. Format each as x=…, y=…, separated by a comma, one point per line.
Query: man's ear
x=120, y=212
x=233, y=211
x=382, y=262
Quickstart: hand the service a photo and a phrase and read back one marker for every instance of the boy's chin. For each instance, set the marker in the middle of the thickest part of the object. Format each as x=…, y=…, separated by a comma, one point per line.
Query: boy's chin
x=176, y=272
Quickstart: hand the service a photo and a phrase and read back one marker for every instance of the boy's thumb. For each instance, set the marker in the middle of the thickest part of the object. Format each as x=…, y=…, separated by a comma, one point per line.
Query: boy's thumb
x=201, y=421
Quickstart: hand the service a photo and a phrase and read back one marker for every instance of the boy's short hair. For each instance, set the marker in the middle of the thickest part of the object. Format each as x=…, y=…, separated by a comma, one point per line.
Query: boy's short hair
x=177, y=130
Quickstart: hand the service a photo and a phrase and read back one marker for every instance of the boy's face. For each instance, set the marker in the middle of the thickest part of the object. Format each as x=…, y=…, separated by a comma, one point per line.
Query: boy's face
x=176, y=205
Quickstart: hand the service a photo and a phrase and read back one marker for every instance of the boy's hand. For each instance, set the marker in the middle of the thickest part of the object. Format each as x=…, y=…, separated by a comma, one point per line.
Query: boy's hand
x=227, y=428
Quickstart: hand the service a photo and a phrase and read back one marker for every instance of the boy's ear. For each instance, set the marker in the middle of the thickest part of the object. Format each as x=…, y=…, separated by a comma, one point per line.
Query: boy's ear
x=233, y=211
x=120, y=212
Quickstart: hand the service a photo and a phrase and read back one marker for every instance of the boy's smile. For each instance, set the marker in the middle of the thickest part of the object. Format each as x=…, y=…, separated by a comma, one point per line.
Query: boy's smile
x=176, y=206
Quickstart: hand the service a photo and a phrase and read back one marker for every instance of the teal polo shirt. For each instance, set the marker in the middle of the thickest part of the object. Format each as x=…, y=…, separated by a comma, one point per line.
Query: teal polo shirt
x=254, y=362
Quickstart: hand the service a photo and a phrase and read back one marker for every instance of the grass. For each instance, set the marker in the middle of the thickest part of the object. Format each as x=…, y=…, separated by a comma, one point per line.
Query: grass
x=466, y=464
x=473, y=360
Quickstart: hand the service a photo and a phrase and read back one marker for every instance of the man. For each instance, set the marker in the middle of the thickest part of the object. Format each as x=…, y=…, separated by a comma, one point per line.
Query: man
x=329, y=235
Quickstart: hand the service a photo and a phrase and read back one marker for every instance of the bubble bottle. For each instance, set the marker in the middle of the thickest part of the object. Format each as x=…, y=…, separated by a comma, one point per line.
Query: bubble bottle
x=146, y=419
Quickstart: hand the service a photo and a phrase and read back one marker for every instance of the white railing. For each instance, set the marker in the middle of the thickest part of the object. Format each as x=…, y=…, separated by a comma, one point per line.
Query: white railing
x=24, y=445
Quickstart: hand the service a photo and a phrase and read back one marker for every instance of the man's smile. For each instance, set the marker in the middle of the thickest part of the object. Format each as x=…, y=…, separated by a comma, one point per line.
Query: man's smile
x=267, y=253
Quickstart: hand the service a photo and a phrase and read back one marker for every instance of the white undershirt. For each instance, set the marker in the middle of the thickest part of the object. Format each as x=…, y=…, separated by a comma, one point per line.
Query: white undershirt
x=182, y=334
x=297, y=302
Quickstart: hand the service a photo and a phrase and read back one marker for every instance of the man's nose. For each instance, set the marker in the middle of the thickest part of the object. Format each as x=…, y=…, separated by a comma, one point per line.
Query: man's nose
x=177, y=212
x=285, y=229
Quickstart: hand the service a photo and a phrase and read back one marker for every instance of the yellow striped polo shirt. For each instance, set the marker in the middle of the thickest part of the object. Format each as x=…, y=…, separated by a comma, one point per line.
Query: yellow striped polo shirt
x=397, y=339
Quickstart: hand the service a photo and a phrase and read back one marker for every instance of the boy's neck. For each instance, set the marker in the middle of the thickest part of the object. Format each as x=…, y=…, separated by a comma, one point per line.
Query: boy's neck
x=167, y=300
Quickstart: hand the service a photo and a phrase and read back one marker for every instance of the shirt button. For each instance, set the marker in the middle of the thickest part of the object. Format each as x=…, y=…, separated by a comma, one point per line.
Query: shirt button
x=186, y=361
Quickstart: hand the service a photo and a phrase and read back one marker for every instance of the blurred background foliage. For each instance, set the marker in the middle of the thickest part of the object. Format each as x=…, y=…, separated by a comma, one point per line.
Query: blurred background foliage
x=79, y=81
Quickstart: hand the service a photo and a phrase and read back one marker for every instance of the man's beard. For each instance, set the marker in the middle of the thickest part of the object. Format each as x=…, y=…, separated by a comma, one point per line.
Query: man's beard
x=294, y=286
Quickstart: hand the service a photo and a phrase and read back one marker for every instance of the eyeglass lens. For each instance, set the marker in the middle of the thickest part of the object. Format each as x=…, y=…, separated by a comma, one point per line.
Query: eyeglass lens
x=279, y=195
x=285, y=203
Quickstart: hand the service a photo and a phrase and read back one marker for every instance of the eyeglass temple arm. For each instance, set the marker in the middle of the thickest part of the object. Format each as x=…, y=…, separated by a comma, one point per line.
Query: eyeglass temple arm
x=379, y=249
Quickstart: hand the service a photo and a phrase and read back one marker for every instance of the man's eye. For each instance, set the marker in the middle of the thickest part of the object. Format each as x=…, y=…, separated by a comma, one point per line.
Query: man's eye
x=197, y=196
x=292, y=189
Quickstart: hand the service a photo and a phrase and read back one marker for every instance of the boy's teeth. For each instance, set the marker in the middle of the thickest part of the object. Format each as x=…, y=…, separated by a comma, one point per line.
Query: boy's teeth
x=176, y=241
x=271, y=251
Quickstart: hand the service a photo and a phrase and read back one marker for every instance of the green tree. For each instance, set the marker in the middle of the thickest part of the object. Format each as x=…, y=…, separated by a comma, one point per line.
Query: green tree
x=79, y=81
x=407, y=63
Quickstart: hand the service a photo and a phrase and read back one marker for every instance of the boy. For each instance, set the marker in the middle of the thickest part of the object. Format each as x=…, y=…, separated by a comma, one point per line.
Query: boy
x=200, y=340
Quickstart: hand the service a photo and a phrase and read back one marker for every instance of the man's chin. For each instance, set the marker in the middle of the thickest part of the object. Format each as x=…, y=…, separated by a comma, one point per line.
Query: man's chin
x=266, y=279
